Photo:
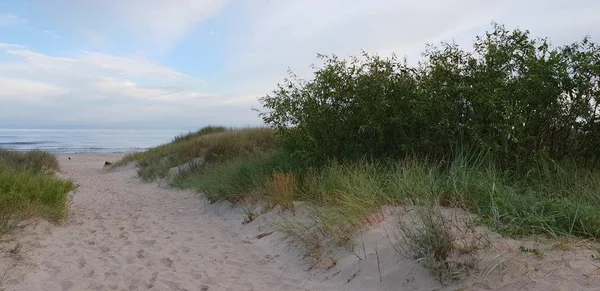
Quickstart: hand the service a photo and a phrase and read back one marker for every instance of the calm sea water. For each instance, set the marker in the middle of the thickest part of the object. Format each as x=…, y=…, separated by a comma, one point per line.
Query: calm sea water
x=84, y=140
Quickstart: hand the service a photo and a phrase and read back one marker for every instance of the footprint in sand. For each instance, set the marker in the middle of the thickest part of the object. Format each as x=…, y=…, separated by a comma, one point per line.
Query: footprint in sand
x=81, y=263
x=167, y=262
x=66, y=285
x=124, y=235
x=148, y=243
x=51, y=268
x=90, y=274
x=152, y=281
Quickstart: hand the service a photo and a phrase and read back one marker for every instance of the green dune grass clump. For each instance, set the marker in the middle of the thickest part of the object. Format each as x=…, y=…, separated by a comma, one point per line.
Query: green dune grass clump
x=29, y=188
x=37, y=161
x=214, y=144
x=236, y=179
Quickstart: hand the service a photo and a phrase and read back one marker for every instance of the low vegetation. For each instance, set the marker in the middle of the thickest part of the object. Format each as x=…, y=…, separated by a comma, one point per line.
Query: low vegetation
x=29, y=188
x=428, y=237
x=214, y=144
x=508, y=131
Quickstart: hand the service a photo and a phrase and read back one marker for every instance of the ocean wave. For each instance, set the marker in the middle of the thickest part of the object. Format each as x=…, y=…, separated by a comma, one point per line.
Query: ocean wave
x=16, y=143
x=91, y=150
x=82, y=150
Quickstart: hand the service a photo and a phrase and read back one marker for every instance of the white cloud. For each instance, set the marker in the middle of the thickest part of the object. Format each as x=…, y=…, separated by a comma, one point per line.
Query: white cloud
x=133, y=67
x=94, y=38
x=158, y=24
x=10, y=46
x=129, y=89
x=33, y=77
x=90, y=85
x=11, y=19
x=14, y=89
x=276, y=35
x=89, y=66
x=50, y=33
x=167, y=20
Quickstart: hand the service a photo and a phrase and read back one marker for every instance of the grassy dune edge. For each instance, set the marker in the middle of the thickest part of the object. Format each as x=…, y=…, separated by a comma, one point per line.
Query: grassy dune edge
x=29, y=188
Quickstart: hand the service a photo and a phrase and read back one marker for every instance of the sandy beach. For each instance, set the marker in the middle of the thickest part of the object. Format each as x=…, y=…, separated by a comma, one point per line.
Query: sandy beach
x=123, y=234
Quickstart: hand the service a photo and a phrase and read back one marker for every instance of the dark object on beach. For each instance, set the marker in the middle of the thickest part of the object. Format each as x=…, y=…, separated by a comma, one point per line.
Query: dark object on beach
x=107, y=164
x=69, y=158
x=263, y=234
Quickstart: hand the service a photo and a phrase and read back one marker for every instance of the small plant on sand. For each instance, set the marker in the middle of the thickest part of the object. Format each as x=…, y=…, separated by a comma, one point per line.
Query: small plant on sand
x=15, y=252
x=596, y=256
x=533, y=251
x=283, y=188
x=305, y=235
x=428, y=236
x=7, y=277
x=249, y=215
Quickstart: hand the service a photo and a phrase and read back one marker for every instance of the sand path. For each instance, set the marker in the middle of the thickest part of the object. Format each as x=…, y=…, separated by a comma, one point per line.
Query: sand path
x=123, y=234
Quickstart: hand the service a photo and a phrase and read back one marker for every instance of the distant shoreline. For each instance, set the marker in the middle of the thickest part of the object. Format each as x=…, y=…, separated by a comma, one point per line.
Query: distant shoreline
x=71, y=141
x=78, y=152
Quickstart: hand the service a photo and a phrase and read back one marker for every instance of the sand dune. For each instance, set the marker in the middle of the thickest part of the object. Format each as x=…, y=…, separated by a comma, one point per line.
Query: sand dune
x=123, y=234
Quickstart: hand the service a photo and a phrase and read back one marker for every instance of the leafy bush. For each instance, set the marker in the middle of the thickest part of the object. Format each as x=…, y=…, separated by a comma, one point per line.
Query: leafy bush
x=514, y=96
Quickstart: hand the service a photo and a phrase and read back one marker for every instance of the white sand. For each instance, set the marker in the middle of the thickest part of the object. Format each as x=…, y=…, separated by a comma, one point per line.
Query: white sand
x=123, y=234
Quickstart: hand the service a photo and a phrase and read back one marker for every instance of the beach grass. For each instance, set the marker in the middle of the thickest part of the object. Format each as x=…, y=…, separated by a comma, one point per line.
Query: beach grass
x=29, y=188
x=213, y=144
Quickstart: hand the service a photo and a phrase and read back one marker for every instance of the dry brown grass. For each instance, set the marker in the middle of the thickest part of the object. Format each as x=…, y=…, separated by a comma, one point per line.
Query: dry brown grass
x=283, y=189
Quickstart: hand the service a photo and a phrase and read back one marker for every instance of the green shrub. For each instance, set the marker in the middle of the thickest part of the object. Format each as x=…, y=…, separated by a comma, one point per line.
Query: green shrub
x=513, y=96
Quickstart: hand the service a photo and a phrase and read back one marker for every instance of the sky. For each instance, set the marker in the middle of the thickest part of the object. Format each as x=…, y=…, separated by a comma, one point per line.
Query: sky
x=184, y=64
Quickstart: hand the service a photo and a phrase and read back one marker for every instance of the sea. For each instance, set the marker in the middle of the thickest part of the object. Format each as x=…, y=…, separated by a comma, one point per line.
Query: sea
x=62, y=141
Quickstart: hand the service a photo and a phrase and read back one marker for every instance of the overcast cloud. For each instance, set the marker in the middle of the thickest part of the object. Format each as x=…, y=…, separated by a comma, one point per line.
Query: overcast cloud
x=184, y=64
